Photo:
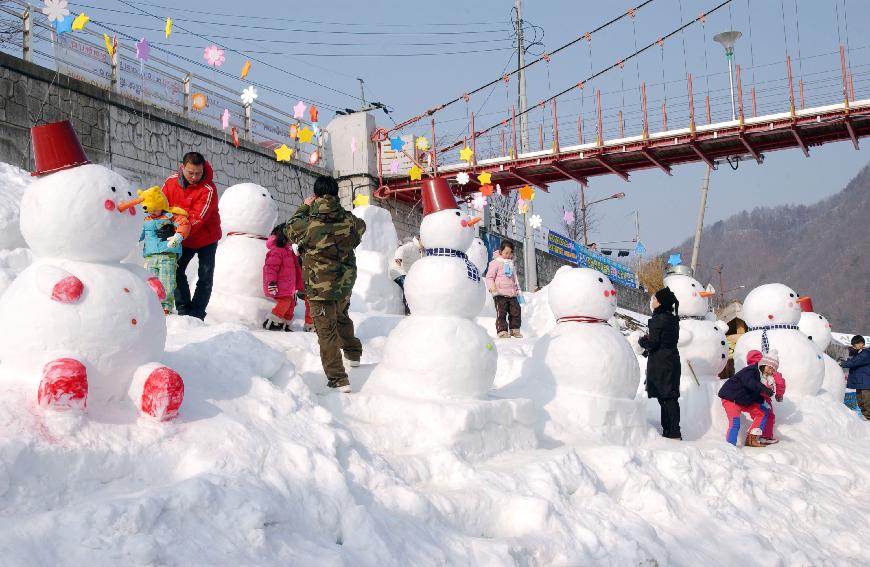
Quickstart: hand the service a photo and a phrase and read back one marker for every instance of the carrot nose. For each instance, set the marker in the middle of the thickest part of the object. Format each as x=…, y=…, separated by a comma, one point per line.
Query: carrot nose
x=706, y=293
x=127, y=204
x=474, y=221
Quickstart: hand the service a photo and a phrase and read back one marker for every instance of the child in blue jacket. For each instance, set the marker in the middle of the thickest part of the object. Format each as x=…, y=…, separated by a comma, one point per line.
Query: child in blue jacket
x=859, y=374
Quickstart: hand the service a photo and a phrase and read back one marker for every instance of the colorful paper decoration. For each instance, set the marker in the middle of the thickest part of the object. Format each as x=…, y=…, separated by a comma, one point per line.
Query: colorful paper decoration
x=312, y=111
x=361, y=200
x=353, y=145
x=466, y=153
x=486, y=190
x=198, y=101
x=422, y=144
x=397, y=144
x=293, y=131
x=479, y=202
x=535, y=221
x=214, y=55
x=225, y=119
x=299, y=109
x=235, y=137
x=249, y=95
x=394, y=166
x=675, y=259
x=246, y=68
x=143, y=50
x=305, y=135
x=168, y=29
x=283, y=153
x=111, y=44
x=527, y=193
x=80, y=21
x=416, y=173
x=63, y=26
x=498, y=188
x=568, y=217
x=316, y=129
x=522, y=208
x=55, y=10
x=462, y=178
x=485, y=178
x=314, y=157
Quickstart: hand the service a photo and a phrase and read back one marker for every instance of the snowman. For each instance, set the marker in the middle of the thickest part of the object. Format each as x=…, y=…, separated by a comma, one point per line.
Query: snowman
x=703, y=351
x=439, y=351
x=585, y=368
x=248, y=214
x=817, y=328
x=772, y=312
x=374, y=290
x=78, y=328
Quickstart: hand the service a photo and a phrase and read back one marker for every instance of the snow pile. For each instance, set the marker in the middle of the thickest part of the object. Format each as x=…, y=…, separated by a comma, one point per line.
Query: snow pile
x=14, y=257
x=374, y=290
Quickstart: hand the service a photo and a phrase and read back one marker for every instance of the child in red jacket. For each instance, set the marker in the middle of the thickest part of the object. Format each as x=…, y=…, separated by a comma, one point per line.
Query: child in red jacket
x=282, y=280
x=775, y=383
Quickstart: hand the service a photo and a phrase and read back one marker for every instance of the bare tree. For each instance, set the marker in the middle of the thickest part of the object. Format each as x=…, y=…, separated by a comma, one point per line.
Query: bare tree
x=571, y=203
x=10, y=26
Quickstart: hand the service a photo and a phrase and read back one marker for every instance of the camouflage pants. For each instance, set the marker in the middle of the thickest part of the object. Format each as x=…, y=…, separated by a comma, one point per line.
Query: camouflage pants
x=335, y=333
x=162, y=266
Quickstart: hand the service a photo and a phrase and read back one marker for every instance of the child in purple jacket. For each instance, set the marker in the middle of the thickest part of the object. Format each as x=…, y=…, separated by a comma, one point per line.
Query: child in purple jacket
x=501, y=281
x=282, y=279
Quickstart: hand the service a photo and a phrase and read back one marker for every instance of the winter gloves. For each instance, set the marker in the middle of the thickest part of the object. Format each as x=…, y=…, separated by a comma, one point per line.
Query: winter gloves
x=166, y=231
x=273, y=288
x=174, y=240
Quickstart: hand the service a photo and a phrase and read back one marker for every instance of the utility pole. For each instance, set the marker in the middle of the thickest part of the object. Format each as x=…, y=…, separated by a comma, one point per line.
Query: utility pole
x=696, y=248
x=362, y=94
x=530, y=266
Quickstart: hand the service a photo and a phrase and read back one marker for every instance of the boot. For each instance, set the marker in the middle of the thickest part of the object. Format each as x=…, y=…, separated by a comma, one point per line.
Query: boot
x=753, y=440
x=342, y=385
x=515, y=333
x=270, y=325
x=287, y=328
x=503, y=335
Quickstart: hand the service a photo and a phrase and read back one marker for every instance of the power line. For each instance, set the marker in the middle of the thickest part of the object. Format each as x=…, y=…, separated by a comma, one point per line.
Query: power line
x=430, y=54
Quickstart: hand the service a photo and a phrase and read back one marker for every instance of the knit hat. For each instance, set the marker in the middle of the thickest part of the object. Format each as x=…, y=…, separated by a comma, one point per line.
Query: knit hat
x=770, y=359
x=667, y=299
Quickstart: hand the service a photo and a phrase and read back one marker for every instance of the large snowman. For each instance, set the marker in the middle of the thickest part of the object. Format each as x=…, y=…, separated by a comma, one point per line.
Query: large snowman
x=772, y=312
x=817, y=329
x=439, y=351
x=703, y=353
x=584, y=364
x=79, y=328
x=248, y=215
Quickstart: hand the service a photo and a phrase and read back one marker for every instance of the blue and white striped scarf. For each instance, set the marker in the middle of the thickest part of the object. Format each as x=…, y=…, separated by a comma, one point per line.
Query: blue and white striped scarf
x=470, y=269
x=765, y=343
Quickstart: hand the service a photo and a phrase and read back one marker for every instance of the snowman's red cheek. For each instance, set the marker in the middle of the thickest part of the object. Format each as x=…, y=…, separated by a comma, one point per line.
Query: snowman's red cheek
x=770, y=316
x=790, y=304
x=109, y=204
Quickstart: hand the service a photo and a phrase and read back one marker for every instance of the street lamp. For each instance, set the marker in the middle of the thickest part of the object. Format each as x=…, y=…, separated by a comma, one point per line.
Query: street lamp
x=585, y=206
x=727, y=40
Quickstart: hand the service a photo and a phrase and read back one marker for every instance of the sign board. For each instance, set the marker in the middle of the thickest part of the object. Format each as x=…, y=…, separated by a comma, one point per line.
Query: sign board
x=565, y=248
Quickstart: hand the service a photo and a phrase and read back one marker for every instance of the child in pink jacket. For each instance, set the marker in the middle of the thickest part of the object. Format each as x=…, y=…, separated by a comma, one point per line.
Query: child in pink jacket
x=282, y=279
x=775, y=383
x=501, y=281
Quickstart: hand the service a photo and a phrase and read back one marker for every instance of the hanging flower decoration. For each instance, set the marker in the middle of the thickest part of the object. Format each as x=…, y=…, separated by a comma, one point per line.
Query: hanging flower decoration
x=535, y=221
x=55, y=10
x=314, y=157
x=198, y=101
x=462, y=178
x=479, y=202
x=249, y=95
x=498, y=189
x=422, y=144
x=214, y=55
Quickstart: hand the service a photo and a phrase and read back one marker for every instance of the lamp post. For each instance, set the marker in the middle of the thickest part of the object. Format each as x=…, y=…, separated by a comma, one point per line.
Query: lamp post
x=585, y=206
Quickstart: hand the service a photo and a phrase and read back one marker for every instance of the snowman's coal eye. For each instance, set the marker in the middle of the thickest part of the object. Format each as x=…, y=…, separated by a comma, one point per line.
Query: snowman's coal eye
x=601, y=280
x=457, y=213
x=791, y=295
x=262, y=194
x=820, y=316
x=129, y=194
x=693, y=285
x=113, y=189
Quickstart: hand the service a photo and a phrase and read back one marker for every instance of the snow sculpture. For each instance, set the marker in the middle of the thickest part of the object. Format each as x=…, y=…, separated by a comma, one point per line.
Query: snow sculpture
x=374, y=290
x=817, y=328
x=439, y=351
x=479, y=256
x=248, y=215
x=772, y=312
x=79, y=327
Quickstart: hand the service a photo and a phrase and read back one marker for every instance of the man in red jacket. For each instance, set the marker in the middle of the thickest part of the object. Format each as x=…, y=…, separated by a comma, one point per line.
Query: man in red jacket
x=192, y=190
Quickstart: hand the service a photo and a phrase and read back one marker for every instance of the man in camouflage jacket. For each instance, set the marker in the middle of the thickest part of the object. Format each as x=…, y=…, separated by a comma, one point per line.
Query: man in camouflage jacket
x=326, y=235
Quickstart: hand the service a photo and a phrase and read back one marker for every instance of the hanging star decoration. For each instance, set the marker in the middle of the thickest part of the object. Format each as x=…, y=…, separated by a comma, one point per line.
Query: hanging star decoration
x=465, y=154
x=675, y=260
x=361, y=200
x=485, y=178
x=305, y=135
x=527, y=193
x=283, y=153
x=535, y=221
x=394, y=166
x=299, y=109
x=397, y=144
x=168, y=29
x=63, y=26
x=143, y=50
x=312, y=111
x=462, y=178
x=486, y=190
x=249, y=95
x=214, y=55
x=416, y=173
x=80, y=21
x=479, y=202
x=198, y=101
x=55, y=10
x=422, y=144
x=246, y=68
x=225, y=119
x=568, y=217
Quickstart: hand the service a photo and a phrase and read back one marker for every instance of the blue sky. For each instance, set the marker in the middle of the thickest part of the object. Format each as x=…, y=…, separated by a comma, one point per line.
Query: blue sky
x=474, y=46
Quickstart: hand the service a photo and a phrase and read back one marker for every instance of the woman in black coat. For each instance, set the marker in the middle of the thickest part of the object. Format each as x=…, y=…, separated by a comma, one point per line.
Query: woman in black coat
x=663, y=363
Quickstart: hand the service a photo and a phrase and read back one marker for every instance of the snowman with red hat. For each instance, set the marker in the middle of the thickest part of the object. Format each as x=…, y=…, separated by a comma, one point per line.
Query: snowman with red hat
x=439, y=350
x=817, y=329
x=78, y=328
x=772, y=312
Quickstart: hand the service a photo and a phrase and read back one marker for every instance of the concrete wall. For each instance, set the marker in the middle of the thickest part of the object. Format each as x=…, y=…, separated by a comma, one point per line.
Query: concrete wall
x=142, y=142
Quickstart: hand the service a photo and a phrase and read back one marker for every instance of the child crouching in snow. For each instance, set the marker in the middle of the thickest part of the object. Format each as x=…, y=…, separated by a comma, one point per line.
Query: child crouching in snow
x=775, y=383
x=282, y=279
x=501, y=281
x=744, y=393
